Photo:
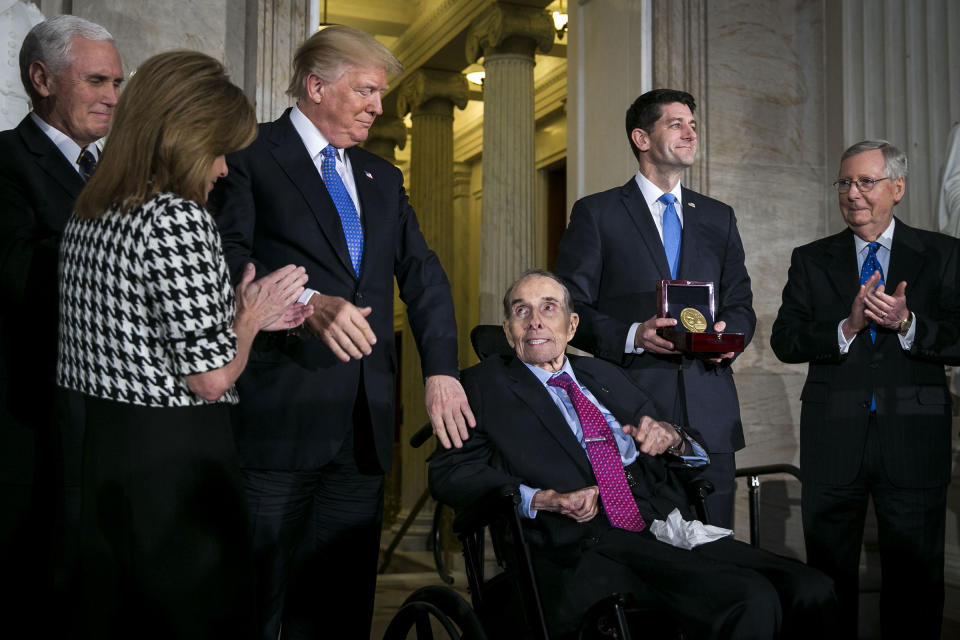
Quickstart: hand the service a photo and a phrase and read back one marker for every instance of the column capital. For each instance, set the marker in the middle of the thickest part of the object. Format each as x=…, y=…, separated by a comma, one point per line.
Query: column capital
x=510, y=28
x=425, y=85
x=386, y=133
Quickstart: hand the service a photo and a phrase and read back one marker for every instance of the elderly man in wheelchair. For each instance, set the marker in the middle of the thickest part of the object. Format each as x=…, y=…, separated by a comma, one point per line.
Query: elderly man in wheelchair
x=598, y=480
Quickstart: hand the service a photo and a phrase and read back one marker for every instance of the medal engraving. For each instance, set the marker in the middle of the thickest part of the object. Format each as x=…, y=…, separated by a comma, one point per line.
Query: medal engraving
x=693, y=320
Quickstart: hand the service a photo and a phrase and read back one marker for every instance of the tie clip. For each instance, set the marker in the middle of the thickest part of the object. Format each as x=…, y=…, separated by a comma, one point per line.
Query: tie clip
x=598, y=439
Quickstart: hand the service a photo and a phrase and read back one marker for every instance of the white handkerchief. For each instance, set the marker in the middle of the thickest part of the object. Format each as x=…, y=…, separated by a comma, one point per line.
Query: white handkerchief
x=686, y=534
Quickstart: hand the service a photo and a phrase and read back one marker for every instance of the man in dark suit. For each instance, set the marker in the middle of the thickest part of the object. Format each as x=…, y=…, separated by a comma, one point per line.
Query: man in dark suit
x=613, y=255
x=534, y=432
x=875, y=310
x=315, y=421
x=72, y=72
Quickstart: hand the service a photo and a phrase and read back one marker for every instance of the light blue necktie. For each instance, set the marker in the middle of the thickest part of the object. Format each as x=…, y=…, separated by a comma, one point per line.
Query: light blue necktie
x=349, y=218
x=671, y=233
x=870, y=265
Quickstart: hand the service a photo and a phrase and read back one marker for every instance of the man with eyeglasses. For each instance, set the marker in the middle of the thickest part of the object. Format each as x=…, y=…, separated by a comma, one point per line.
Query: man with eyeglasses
x=875, y=311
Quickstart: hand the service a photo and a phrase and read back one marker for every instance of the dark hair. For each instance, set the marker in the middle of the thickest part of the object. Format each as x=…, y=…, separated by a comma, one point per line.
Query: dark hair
x=646, y=110
x=543, y=273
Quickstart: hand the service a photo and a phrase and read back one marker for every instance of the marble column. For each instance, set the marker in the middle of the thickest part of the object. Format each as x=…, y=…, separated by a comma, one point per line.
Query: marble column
x=430, y=96
x=507, y=36
x=386, y=135
x=465, y=277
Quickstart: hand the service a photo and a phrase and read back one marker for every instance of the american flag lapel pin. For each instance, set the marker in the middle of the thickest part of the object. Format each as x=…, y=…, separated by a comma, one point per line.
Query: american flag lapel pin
x=692, y=204
x=368, y=174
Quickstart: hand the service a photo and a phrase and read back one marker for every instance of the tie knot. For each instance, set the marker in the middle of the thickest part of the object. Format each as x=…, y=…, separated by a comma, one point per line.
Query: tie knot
x=564, y=381
x=329, y=152
x=874, y=246
x=667, y=199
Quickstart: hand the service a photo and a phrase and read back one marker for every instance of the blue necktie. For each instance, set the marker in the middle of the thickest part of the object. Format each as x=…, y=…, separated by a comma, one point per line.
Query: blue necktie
x=349, y=218
x=671, y=233
x=870, y=265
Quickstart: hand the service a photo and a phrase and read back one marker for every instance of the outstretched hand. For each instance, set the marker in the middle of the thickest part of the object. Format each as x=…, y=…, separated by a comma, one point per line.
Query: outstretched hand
x=448, y=409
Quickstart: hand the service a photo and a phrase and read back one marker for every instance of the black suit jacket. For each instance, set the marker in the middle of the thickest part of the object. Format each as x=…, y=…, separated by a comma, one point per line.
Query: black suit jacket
x=38, y=187
x=296, y=398
x=612, y=258
x=913, y=403
x=522, y=438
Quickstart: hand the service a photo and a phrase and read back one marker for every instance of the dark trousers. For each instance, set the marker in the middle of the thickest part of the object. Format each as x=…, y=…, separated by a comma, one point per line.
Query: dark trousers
x=164, y=550
x=723, y=589
x=721, y=472
x=910, y=525
x=316, y=544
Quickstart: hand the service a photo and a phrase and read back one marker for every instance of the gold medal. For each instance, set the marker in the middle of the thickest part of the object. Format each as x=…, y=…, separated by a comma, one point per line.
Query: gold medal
x=693, y=320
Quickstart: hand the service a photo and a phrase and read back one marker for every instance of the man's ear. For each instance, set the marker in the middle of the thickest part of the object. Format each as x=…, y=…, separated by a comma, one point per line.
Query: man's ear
x=40, y=78
x=314, y=89
x=640, y=139
x=899, y=187
x=574, y=323
x=506, y=332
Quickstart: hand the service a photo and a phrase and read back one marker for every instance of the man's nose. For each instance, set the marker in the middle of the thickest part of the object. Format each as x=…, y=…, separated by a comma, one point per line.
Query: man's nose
x=110, y=94
x=375, y=105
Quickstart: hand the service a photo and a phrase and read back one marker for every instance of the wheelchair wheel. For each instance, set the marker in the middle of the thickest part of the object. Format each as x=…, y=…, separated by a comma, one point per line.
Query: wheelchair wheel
x=434, y=608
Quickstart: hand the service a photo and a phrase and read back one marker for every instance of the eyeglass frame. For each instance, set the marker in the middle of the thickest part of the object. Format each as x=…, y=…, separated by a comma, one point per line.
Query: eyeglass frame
x=860, y=182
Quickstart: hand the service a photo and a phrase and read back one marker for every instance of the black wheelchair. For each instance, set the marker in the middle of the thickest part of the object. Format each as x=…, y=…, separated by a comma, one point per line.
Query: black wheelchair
x=507, y=604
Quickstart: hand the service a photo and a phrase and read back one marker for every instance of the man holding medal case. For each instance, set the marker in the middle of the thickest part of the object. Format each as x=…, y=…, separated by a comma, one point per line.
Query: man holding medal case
x=623, y=242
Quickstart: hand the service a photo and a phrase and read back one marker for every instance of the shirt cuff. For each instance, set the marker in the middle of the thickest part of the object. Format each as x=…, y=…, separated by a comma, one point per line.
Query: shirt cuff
x=306, y=295
x=907, y=341
x=842, y=341
x=699, y=457
x=526, y=497
x=632, y=339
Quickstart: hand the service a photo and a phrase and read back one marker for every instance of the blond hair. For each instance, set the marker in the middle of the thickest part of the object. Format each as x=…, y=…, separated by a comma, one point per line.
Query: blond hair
x=328, y=53
x=177, y=114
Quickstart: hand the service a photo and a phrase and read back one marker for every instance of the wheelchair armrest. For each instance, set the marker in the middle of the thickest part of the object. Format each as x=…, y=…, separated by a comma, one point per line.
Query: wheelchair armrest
x=421, y=436
x=482, y=512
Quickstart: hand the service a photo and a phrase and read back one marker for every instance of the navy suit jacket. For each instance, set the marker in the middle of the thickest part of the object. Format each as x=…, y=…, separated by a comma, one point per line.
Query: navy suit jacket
x=913, y=402
x=522, y=438
x=38, y=187
x=612, y=258
x=296, y=398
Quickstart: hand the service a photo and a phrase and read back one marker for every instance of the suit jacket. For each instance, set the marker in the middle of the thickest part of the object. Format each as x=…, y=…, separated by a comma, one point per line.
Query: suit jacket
x=38, y=187
x=612, y=258
x=913, y=403
x=522, y=438
x=296, y=398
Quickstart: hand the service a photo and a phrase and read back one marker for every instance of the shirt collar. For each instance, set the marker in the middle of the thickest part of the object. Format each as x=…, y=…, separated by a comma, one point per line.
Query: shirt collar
x=313, y=140
x=651, y=192
x=543, y=375
x=70, y=149
x=885, y=239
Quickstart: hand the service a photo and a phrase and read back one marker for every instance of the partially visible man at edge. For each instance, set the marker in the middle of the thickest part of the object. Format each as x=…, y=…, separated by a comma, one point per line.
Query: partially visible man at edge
x=315, y=422
x=72, y=73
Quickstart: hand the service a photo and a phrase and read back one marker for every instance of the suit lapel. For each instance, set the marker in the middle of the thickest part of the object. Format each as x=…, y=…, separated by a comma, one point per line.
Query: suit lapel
x=842, y=268
x=529, y=390
x=49, y=158
x=639, y=213
x=906, y=257
x=291, y=155
x=692, y=230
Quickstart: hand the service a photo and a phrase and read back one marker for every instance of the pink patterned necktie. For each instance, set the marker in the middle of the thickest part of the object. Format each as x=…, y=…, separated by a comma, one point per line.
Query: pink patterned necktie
x=604, y=456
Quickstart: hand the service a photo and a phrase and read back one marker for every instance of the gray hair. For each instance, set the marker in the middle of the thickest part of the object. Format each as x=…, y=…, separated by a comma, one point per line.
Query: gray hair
x=327, y=54
x=894, y=160
x=51, y=42
x=543, y=273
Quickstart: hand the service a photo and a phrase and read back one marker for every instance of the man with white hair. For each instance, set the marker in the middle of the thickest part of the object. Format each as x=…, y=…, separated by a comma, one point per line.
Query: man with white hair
x=72, y=73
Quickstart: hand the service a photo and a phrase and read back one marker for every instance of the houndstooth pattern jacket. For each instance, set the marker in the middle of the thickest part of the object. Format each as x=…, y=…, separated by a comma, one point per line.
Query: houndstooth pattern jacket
x=145, y=300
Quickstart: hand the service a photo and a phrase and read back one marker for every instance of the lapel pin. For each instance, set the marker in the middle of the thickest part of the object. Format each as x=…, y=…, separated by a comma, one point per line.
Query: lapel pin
x=368, y=174
x=692, y=204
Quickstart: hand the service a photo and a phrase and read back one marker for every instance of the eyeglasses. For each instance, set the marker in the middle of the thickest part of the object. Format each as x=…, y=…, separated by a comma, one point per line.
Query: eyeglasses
x=863, y=184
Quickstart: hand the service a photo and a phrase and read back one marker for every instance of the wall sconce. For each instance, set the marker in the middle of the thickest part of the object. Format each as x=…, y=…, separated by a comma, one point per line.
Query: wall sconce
x=560, y=20
x=476, y=77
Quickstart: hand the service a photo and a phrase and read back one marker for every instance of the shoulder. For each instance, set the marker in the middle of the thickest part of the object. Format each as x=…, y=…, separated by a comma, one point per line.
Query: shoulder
x=490, y=369
x=171, y=212
x=604, y=199
x=599, y=369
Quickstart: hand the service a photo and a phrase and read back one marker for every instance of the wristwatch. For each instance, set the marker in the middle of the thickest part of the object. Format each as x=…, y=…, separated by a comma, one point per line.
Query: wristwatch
x=905, y=324
x=678, y=449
